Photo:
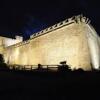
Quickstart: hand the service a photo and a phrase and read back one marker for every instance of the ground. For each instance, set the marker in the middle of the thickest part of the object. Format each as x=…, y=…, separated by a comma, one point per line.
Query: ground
x=27, y=85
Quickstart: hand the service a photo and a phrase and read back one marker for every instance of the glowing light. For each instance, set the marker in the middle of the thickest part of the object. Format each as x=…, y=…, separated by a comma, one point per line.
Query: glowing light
x=9, y=42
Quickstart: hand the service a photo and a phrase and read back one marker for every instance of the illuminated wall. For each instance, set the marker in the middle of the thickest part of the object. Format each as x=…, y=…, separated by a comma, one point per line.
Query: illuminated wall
x=65, y=41
x=94, y=46
x=1, y=45
x=8, y=41
x=5, y=42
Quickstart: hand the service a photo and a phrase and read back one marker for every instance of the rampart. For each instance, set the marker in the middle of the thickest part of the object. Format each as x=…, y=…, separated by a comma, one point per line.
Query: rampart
x=65, y=41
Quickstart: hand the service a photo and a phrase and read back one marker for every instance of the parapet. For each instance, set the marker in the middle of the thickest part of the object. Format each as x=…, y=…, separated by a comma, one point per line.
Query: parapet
x=75, y=19
x=10, y=41
x=19, y=44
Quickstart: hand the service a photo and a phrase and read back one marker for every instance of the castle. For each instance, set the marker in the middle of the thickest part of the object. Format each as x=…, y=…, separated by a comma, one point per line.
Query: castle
x=73, y=40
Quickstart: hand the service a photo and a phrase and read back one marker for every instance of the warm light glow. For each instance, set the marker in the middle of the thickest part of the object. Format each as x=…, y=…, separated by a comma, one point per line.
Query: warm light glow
x=9, y=41
x=64, y=44
x=69, y=43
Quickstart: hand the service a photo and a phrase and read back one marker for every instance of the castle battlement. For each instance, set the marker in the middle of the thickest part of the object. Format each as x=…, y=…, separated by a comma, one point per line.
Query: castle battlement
x=75, y=19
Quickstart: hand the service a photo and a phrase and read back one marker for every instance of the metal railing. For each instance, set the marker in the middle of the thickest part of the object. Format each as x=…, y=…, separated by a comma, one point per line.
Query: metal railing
x=33, y=67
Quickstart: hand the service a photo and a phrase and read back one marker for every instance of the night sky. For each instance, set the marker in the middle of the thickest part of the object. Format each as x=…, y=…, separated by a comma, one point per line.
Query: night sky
x=26, y=17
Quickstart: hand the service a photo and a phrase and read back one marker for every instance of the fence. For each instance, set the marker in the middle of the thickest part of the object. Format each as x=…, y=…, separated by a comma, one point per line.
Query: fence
x=33, y=67
x=40, y=67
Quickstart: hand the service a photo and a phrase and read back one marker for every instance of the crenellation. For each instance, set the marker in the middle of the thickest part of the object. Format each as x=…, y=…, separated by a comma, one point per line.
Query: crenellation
x=70, y=20
x=73, y=19
x=77, y=19
x=49, y=28
x=37, y=33
x=87, y=21
x=66, y=21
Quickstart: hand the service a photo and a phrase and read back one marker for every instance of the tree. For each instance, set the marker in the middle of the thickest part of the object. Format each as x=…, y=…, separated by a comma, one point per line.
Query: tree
x=1, y=58
x=3, y=65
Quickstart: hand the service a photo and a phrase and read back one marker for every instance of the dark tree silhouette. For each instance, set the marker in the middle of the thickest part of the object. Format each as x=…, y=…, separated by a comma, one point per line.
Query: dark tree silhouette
x=3, y=65
x=1, y=58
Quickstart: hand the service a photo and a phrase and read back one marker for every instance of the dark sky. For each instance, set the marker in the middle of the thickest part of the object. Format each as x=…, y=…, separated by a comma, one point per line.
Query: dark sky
x=26, y=17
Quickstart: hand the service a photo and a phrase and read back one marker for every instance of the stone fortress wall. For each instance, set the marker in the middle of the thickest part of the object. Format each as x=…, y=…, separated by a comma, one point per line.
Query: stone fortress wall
x=65, y=41
x=8, y=41
x=5, y=42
